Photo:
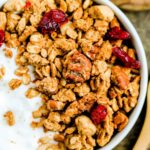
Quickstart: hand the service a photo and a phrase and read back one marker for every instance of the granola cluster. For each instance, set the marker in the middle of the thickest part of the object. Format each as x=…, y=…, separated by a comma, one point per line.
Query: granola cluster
x=75, y=69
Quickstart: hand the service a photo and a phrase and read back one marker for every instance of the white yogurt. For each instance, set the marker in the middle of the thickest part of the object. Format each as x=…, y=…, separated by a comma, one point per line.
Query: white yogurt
x=20, y=136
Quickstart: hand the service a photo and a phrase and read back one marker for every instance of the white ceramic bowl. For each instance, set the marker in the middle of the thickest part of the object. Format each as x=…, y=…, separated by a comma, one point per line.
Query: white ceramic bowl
x=144, y=72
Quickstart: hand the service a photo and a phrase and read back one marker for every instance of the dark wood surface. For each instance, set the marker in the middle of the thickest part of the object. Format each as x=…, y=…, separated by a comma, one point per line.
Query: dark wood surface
x=141, y=21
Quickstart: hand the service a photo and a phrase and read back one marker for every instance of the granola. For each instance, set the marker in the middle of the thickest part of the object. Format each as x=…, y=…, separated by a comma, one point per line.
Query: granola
x=70, y=45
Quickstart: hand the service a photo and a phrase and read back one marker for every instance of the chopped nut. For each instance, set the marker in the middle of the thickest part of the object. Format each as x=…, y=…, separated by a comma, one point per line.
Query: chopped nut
x=70, y=130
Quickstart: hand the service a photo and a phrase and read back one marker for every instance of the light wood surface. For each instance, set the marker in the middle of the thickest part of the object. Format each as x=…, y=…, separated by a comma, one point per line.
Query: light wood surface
x=144, y=138
x=133, y=5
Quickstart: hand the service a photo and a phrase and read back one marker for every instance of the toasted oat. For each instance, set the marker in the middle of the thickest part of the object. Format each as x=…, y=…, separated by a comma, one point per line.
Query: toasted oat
x=83, y=24
x=31, y=93
x=26, y=79
x=82, y=90
x=27, y=32
x=3, y=20
x=70, y=130
x=55, y=105
x=65, y=95
x=13, y=41
x=77, y=141
x=120, y=120
x=14, y=83
x=65, y=44
x=21, y=25
x=2, y=72
x=87, y=3
x=10, y=118
x=48, y=85
x=73, y=4
x=85, y=125
x=42, y=111
x=12, y=21
x=10, y=5
x=8, y=53
x=21, y=71
x=59, y=137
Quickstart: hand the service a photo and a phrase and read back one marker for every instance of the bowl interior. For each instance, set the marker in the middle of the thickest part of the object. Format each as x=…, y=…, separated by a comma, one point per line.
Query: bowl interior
x=144, y=73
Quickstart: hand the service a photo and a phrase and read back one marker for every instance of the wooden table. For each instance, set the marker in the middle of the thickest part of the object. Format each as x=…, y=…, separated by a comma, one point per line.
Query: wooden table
x=141, y=21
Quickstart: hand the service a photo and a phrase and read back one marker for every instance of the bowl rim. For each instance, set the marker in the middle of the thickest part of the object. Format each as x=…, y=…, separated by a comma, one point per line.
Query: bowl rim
x=144, y=74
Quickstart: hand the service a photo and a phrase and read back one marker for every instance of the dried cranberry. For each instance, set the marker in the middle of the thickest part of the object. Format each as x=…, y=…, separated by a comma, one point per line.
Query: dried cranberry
x=126, y=59
x=27, y=5
x=98, y=114
x=117, y=33
x=52, y=21
x=2, y=37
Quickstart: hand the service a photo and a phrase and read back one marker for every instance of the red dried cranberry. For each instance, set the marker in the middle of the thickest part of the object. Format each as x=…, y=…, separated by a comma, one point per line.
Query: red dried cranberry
x=27, y=5
x=52, y=21
x=117, y=33
x=2, y=37
x=98, y=114
x=126, y=59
